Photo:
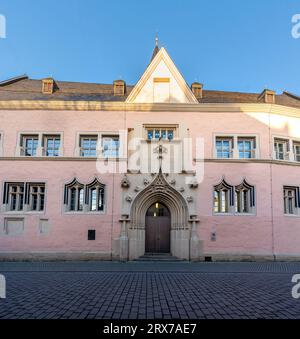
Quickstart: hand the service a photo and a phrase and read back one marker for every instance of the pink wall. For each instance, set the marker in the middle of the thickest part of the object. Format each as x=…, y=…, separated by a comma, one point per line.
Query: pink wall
x=267, y=232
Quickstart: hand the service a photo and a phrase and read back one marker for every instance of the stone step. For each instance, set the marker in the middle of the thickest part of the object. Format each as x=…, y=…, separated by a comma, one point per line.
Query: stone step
x=157, y=257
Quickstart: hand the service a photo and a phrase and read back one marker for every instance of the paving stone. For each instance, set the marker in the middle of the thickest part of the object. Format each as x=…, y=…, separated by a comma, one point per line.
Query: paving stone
x=149, y=291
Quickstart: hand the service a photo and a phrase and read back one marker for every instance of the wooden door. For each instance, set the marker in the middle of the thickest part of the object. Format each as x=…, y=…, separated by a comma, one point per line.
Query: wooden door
x=158, y=227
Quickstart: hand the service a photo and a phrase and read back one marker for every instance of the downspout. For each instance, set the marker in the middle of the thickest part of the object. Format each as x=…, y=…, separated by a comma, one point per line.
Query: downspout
x=112, y=217
x=271, y=183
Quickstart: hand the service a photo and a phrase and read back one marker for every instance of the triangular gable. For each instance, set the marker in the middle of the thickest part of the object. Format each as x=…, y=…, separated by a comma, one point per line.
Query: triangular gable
x=162, y=83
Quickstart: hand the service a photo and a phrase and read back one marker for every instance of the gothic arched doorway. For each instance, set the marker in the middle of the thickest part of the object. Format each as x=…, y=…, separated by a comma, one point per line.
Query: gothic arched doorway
x=158, y=229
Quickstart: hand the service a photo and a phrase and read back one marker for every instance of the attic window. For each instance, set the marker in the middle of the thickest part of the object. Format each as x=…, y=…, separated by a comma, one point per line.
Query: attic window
x=197, y=90
x=48, y=86
x=119, y=88
x=268, y=96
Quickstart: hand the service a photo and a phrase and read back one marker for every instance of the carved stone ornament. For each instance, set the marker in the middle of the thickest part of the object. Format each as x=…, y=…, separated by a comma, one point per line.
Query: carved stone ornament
x=173, y=182
x=189, y=199
x=128, y=198
x=137, y=189
x=193, y=184
x=125, y=183
x=181, y=189
x=146, y=182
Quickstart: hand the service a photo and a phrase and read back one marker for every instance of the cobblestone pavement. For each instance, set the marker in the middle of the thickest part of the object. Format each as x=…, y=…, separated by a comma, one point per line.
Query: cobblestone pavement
x=149, y=290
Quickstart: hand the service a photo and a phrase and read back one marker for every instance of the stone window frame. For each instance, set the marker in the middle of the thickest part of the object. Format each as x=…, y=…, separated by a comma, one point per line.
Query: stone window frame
x=40, y=153
x=296, y=208
x=86, y=206
x=290, y=153
x=99, y=149
x=235, y=150
x=251, y=198
x=174, y=127
x=46, y=137
x=5, y=208
x=229, y=196
x=29, y=194
x=296, y=144
x=232, y=203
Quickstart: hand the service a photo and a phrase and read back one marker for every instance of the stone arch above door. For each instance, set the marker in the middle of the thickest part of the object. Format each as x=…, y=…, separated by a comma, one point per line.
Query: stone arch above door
x=139, y=192
x=160, y=191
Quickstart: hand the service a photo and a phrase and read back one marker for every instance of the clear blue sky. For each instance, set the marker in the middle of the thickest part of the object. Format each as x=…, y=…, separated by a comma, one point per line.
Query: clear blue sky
x=242, y=45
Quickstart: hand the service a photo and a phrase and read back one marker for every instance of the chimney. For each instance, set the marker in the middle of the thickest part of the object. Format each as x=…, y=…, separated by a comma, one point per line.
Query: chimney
x=48, y=86
x=119, y=87
x=268, y=96
x=197, y=89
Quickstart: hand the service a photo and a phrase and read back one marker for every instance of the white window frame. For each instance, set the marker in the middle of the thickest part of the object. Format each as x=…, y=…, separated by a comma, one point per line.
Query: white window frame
x=160, y=128
x=46, y=137
x=286, y=148
x=88, y=137
x=296, y=155
x=23, y=141
x=252, y=141
x=234, y=146
x=296, y=210
x=111, y=137
x=99, y=149
x=40, y=152
x=231, y=146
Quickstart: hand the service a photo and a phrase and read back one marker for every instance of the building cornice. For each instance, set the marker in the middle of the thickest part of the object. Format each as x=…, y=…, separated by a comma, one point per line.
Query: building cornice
x=123, y=106
x=206, y=160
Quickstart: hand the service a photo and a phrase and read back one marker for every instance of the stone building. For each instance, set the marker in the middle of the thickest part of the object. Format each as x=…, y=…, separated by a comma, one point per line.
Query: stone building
x=114, y=172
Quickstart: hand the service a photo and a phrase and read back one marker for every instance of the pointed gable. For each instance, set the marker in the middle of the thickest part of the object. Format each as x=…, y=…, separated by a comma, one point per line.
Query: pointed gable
x=162, y=83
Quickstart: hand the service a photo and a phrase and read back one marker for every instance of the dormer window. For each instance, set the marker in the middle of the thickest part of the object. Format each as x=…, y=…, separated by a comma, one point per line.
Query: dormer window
x=119, y=88
x=268, y=96
x=197, y=90
x=48, y=86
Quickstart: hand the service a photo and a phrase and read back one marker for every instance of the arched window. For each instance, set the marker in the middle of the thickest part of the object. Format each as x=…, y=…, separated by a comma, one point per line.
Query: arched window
x=95, y=196
x=223, y=198
x=245, y=198
x=74, y=196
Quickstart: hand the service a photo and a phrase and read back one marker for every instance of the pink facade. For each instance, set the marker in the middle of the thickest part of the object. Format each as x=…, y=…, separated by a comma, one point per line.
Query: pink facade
x=266, y=231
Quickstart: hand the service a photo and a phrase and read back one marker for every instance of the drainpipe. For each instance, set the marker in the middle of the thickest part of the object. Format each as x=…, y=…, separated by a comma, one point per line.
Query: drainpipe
x=271, y=183
x=124, y=240
x=194, y=240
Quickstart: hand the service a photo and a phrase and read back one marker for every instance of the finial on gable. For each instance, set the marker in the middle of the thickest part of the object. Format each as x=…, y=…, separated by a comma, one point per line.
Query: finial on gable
x=156, y=49
x=156, y=40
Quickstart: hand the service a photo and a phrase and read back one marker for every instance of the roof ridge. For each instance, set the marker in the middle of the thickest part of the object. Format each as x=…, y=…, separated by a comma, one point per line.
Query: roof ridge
x=13, y=80
x=292, y=95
